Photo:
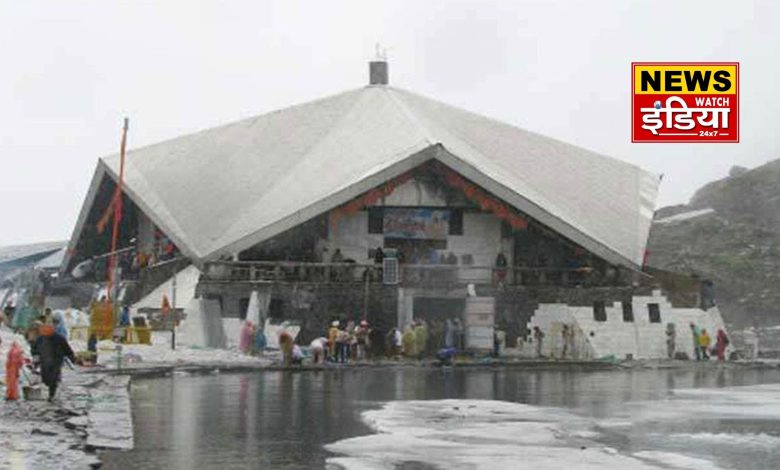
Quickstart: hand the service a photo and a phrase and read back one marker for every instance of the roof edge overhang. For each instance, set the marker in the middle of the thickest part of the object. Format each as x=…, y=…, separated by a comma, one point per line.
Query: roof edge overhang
x=432, y=152
x=102, y=170
x=328, y=203
x=165, y=222
x=86, y=208
x=533, y=210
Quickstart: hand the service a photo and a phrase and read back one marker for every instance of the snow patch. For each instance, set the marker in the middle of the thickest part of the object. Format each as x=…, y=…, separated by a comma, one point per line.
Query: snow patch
x=483, y=434
x=685, y=216
x=756, y=402
x=757, y=441
x=672, y=460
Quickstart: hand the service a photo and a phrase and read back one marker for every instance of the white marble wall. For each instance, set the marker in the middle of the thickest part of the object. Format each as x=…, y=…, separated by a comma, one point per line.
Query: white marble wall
x=640, y=338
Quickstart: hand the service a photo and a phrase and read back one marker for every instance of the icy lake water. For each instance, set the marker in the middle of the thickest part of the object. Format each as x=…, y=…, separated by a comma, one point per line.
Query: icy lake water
x=707, y=418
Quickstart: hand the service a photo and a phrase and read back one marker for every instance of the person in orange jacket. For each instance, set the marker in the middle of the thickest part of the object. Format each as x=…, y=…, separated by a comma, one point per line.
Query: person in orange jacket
x=12, y=368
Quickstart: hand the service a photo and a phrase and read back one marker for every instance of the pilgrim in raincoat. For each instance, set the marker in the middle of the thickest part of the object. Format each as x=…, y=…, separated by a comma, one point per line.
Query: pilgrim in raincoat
x=420, y=338
x=12, y=367
x=52, y=349
x=408, y=340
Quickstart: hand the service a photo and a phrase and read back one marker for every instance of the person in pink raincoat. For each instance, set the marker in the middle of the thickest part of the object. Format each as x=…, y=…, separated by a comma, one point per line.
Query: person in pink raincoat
x=721, y=341
x=246, y=337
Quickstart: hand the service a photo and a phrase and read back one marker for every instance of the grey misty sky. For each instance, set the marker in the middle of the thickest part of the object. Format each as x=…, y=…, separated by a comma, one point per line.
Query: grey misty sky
x=72, y=70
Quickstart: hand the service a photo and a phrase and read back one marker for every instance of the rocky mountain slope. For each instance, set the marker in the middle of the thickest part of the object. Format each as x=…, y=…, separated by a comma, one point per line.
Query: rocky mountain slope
x=730, y=233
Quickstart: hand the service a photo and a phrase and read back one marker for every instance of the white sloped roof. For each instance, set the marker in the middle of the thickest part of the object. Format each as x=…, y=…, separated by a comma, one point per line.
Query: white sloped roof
x=53, y=261
x=225, y=189
x=18, y=252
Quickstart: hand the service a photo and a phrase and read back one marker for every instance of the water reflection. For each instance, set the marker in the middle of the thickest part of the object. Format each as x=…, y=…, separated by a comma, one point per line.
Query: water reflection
x=282, y=419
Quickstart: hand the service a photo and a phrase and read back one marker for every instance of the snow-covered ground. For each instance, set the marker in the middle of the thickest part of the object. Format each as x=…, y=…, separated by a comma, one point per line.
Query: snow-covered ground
x=159, y=353
x=484, y=434
x=90, y=410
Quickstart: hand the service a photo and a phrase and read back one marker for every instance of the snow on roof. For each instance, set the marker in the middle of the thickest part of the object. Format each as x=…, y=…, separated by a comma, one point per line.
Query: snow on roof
x=225, y=189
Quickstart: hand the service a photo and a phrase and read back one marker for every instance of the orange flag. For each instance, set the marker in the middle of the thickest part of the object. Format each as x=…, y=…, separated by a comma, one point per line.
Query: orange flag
x=107, y=214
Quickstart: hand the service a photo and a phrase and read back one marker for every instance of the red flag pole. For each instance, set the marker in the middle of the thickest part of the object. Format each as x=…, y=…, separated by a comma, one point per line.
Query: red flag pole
x=117, y=202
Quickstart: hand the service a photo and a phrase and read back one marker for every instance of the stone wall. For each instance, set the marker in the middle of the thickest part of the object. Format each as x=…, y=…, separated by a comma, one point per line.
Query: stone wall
x=313, y=305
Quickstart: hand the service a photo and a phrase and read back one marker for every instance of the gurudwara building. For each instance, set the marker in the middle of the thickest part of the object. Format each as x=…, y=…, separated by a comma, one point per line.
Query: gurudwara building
x=382, y=204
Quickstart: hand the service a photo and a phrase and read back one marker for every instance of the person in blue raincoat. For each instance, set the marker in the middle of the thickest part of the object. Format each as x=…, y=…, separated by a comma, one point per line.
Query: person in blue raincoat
x=260, y=340
x=59, y=325
x=124, y=316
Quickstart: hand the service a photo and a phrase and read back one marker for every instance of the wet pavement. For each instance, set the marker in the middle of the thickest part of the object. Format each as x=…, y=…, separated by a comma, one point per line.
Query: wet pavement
x=90, y=412
x=702, y=417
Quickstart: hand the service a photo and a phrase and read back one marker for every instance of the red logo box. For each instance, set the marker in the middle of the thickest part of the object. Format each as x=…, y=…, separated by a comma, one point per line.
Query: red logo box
x=685, y=102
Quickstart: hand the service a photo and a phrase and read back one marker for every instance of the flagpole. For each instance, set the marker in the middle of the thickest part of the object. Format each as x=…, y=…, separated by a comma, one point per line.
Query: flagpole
x=112, y=265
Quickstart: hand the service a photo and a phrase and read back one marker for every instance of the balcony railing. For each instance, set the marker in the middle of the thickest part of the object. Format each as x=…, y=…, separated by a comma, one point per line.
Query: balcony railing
x=410, y=274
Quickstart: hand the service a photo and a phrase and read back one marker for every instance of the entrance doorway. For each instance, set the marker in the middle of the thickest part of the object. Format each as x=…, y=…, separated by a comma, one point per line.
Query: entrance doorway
x=438, y=308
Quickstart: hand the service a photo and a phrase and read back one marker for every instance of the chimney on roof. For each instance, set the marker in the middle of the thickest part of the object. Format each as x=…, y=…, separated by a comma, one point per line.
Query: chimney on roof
x=377, y=72
x=377, y=68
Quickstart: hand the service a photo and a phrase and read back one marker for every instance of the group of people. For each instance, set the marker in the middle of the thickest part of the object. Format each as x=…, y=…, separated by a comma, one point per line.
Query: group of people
x=252, y=338
x=347, y=341
x=568, y=336
x=412, y=342
x=702, y=342
x=49, y=348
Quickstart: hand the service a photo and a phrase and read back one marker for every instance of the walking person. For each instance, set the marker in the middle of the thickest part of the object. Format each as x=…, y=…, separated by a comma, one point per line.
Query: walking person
x=52, y=349
x=59, y=325
x=696, y=349
x=721, y=342
x=671, y=340
x=704, y=345
x=538, y=339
